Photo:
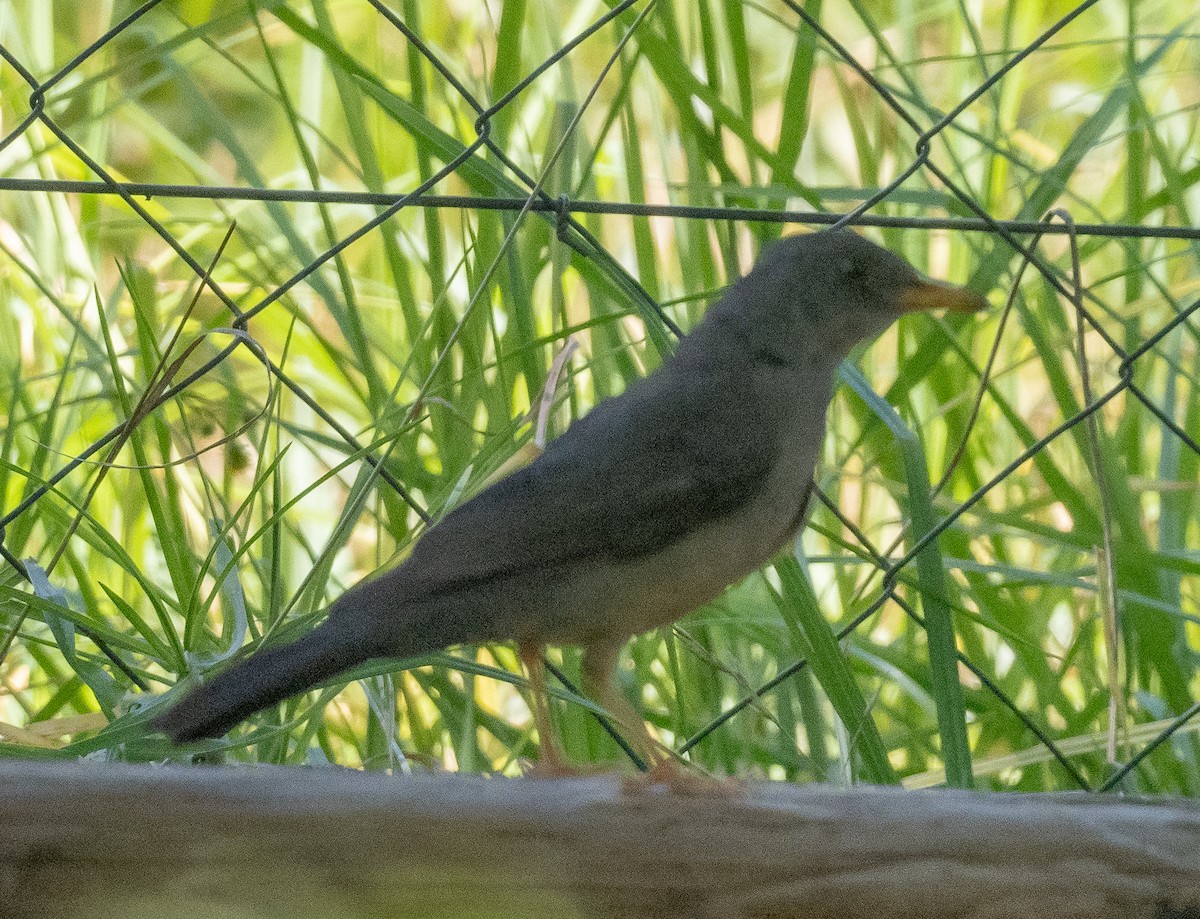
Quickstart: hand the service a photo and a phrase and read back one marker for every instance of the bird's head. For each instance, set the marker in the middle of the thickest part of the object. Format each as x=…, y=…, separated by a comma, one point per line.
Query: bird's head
x=832, y=290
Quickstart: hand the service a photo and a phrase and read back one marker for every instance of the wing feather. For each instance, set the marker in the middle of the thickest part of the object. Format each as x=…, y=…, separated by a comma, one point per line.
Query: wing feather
x=674, y=452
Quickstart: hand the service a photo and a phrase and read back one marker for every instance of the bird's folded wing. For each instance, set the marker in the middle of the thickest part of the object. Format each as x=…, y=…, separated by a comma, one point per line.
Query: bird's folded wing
x=629, y=479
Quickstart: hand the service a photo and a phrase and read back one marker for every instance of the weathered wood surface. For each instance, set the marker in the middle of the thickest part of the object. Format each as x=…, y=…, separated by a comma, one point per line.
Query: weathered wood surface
x=103, y=841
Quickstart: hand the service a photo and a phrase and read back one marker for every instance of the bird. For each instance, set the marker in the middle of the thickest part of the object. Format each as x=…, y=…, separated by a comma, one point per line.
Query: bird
x=647, y=507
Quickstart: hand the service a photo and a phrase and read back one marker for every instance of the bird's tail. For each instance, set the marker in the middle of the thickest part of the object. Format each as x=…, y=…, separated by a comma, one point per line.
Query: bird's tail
x=262, y=680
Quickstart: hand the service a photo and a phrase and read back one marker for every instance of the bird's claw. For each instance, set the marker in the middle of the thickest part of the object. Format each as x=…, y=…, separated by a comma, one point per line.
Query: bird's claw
x=560, y=769
x=680, y=780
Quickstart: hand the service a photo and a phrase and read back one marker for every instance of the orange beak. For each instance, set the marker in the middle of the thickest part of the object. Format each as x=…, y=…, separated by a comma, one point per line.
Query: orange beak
x=928, y=294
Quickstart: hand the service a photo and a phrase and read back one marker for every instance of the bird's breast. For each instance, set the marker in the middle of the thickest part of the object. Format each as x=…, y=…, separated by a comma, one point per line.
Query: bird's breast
x=655, y=590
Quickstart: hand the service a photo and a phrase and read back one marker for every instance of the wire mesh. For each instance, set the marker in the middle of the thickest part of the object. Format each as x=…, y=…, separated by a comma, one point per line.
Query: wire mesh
x=491, y=157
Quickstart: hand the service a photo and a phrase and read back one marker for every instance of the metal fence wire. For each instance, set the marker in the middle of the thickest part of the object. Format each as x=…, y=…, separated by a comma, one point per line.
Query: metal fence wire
x=488, y=160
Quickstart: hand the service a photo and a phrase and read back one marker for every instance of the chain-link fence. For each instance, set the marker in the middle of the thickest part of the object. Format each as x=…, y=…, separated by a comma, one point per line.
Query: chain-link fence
x=529, y=174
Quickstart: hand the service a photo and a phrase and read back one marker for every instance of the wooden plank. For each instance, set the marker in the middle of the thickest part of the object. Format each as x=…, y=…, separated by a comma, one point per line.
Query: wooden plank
x=115, y=840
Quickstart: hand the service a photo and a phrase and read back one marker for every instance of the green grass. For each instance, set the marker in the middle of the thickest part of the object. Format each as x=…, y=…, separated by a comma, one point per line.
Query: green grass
x=234, y=513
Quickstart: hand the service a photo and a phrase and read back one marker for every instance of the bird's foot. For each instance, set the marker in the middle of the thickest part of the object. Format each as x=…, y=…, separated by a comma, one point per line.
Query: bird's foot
x=555, y=768
x=681, y=780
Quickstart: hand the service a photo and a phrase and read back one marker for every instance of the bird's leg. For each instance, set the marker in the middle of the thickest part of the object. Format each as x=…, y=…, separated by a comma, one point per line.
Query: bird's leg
x=598, y=667
x=551, y=762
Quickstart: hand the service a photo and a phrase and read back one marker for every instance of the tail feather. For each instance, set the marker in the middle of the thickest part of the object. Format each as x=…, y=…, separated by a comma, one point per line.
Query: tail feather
x=262, y=680
x=375, y=618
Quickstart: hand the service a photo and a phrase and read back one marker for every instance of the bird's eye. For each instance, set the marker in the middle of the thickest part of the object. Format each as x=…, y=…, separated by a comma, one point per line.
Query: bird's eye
x=851, y=274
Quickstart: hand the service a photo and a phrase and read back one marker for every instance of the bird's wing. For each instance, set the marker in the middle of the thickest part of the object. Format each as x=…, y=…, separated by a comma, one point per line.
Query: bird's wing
x=636, y=474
